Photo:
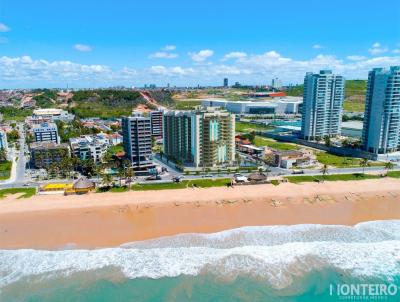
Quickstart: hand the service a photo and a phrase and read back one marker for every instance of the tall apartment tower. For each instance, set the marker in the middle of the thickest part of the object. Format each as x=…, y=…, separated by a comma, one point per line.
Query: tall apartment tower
x=204, y=138
x=46, y=132
x=322, y=105
x=226, y=83
x=381, y=129
x=136, y=130
x=276, y=83
x=156, y=123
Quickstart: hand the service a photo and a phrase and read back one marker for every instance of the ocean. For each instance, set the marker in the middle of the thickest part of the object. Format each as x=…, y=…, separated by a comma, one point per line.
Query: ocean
x=270, y=263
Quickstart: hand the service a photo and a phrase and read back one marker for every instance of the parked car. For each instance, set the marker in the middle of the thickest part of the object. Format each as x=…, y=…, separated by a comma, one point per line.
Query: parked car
x=153, y=177
x=298, y=172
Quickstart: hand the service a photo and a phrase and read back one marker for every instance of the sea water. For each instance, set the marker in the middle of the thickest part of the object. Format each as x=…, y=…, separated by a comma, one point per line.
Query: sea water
x=270, y=263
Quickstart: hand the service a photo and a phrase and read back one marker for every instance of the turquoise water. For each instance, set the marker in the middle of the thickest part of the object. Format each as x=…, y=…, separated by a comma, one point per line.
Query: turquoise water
x=296, y=123
x=281, y=263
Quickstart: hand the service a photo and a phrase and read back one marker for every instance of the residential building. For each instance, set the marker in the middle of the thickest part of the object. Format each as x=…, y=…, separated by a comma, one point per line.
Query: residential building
x=43, y=154
x=203, y=138
x=322, y=105
x=276, y=83
x=3, y=140
x=46, y=132
x=89, y=147
x=381, y=128
x=226, y=83
x=136, y=130
x=156, y=123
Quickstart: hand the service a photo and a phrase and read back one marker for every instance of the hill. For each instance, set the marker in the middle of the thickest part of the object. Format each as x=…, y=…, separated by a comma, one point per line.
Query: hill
x=110, y=103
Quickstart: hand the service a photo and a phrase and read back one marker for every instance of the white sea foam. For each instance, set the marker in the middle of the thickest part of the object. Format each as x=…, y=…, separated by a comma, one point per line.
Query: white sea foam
x=371, y=249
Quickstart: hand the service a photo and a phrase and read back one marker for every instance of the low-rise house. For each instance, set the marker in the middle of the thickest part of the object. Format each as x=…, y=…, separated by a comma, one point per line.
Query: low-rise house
x=54, y=114
x=43, y=154
x=89, y=147
x=291, y=158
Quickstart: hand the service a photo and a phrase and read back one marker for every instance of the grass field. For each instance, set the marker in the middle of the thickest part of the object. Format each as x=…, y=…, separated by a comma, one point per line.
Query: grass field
x=5, y=170
x=186, y=104
x=394, y=174
x=353, y=106
x=202, y=183
x=269, y=142
x=27, y=192
x=335, y=177
x=342, y=161
x=248, y=127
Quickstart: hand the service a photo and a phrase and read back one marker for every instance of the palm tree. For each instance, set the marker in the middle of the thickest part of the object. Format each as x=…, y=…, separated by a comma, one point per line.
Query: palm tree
x=324, y=170
x=107, y=179
x=3, y=155
x=120, y=174
x=364, y=163
x=388, y=166
x=129, y=174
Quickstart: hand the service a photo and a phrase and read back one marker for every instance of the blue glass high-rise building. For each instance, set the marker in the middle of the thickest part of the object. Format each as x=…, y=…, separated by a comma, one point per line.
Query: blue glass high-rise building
x=381, y=129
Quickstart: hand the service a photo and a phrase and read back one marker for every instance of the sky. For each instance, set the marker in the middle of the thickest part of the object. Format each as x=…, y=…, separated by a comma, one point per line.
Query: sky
x=102, y=43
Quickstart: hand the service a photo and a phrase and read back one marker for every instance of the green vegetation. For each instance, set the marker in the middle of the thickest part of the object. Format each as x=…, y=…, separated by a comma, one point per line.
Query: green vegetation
x=394, y=174
x=355, y=95
x=45, y=98
x=295, y=90
x=342, y=161
x=201, y=183
x=353, y=106
x=15, y=114
x=248, y=127
x=115, y=149
x=73, y=129
x=105, y=103
x=271, y=143
x=27, y=192
x=5, y=170
x=334, y=177
x=13, y=136
x=275, y=182
x=186, y=104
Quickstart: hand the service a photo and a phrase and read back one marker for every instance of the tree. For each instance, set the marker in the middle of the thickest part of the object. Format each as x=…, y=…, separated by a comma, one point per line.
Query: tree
x=3, y=155
x=364, y=163
x=129, y=174
x=107, y=179
x=389, y=166
x=327, y=141
x=324, y=170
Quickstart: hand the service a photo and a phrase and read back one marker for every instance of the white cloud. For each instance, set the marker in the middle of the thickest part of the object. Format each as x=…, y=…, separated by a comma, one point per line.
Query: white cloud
x=397, y=51
x=169, y=48
x=4, y=28
x=356, y=58
x=202, y=55
x=163, y=55
x=252, y=69
x=234, y=55
x=83, y=47
x=317, y=46
x=377, y=49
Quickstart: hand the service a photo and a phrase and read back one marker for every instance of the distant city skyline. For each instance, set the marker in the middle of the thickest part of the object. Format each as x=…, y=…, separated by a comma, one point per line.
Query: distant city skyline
x=101, y=44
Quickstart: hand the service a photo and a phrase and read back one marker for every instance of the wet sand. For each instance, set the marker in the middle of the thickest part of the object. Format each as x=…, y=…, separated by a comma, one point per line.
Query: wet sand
x=111, y=219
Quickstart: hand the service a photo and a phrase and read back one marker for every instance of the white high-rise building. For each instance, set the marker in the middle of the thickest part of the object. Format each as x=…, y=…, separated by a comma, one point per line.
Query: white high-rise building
x=381, y=129
x=276, y=83
x=322, y=105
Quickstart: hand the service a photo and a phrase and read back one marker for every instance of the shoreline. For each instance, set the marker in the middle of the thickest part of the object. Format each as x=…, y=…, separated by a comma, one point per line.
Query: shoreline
x=111, y=219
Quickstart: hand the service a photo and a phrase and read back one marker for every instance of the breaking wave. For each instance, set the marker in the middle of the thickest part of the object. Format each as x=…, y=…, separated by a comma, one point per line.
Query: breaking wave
x=278, y=254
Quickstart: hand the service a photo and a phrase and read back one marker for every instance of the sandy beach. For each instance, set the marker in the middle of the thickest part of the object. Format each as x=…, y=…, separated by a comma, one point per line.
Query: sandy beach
x=110, y=219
